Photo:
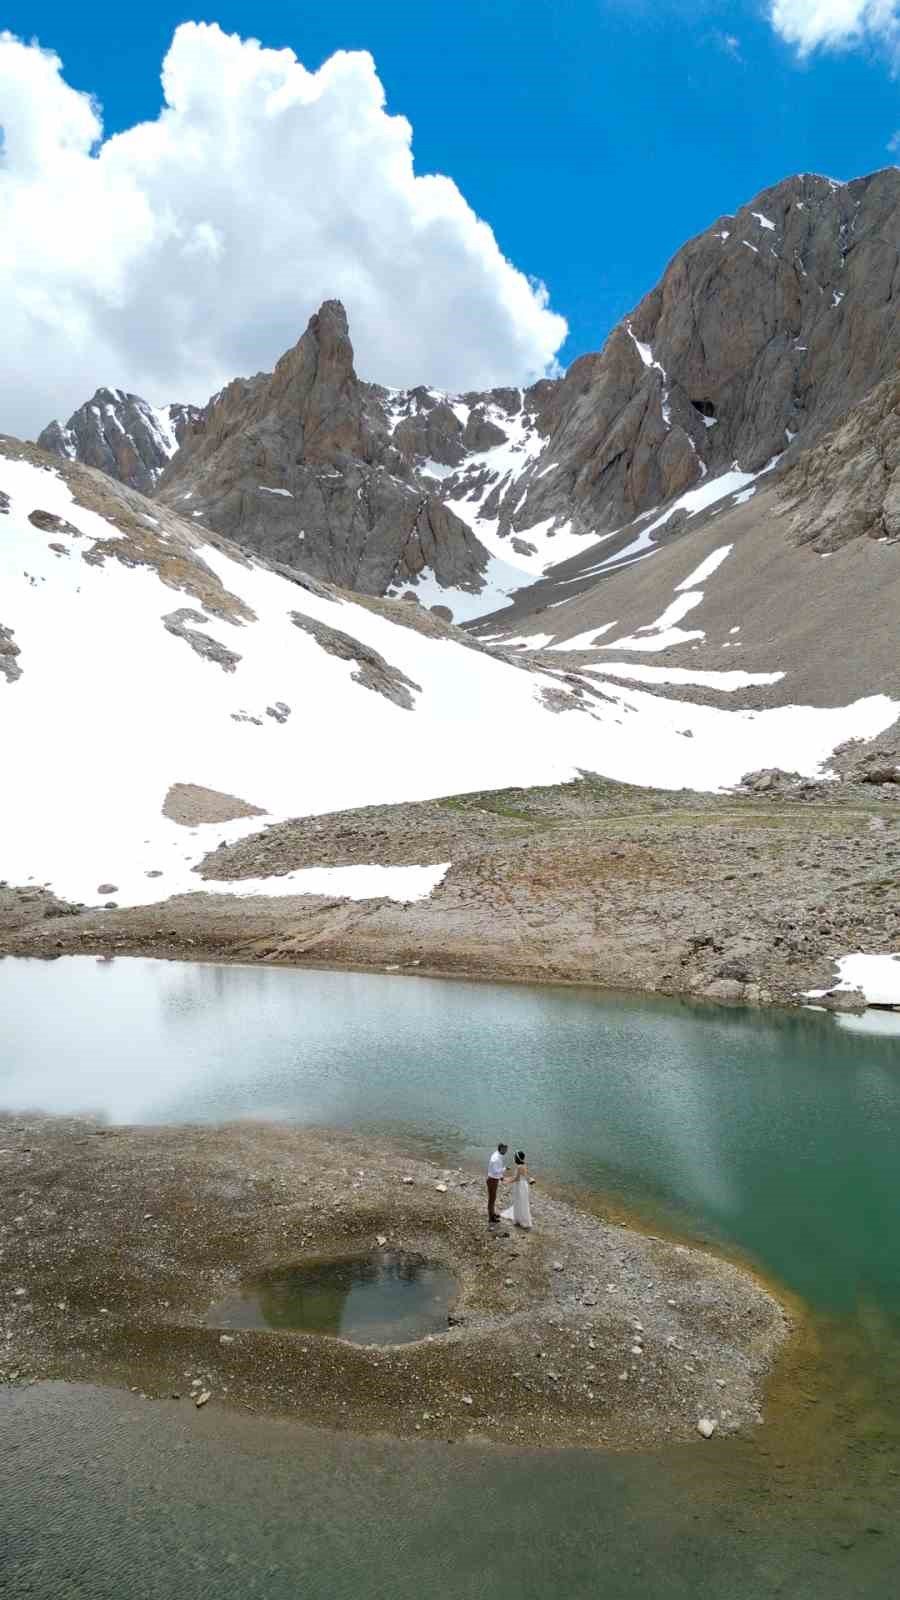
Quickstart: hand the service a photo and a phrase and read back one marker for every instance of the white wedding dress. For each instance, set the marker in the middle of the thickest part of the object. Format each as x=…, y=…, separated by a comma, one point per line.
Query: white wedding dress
x=520, y=1210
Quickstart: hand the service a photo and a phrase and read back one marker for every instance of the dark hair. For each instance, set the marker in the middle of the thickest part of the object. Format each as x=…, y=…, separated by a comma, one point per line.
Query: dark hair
x=502, y=1147
x=520, y=1158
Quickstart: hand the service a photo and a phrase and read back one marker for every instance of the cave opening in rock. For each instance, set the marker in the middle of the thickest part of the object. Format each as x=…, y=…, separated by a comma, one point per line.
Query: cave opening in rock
x=706, y=408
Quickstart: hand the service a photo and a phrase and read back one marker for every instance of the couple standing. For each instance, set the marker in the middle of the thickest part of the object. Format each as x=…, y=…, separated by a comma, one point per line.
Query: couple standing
x=520, y=1210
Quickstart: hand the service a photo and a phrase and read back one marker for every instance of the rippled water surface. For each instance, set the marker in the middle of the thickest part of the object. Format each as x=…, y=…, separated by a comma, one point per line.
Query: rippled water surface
x=774, y=1134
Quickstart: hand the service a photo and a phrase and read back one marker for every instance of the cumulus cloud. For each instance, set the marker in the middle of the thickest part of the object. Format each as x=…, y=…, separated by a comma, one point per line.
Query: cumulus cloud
x=171, y=257
x=834, y=24
x=893, y=143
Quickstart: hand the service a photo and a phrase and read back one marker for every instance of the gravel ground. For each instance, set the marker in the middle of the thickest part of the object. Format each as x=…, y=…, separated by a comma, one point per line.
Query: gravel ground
x=115, y=1241
x=740, y=898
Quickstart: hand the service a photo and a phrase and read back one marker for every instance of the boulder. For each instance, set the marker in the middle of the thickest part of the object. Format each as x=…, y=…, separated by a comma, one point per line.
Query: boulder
x=843, y=1000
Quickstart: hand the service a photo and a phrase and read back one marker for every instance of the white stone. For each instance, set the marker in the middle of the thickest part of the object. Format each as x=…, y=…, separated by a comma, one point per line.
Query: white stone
x=381, y=1238
x=441, y=1188
x=637, y=1350
x=202, y=1398
x=226, y=1338
x=707, y=1427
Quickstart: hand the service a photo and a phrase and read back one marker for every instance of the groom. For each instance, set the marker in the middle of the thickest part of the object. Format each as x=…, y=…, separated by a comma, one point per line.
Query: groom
x=495, y=1174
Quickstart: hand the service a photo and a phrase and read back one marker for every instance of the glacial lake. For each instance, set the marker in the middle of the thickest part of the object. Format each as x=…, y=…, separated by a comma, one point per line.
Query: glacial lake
x=772, y=1135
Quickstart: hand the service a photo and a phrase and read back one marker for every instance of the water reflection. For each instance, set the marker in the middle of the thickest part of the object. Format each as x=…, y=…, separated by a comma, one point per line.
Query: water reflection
x=772, y=1131
x=391, y=1298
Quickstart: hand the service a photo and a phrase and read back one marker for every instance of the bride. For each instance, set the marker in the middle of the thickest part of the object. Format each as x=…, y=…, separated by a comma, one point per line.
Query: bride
x=520, y=1210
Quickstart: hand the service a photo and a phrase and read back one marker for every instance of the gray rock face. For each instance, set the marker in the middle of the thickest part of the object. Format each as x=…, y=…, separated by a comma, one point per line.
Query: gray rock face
x=848, y=486
x=9, y=650
x=372, y=671
x=763, y=333
x=122, y=435
x=765, y=329
x=177, y=622
x=300, y=466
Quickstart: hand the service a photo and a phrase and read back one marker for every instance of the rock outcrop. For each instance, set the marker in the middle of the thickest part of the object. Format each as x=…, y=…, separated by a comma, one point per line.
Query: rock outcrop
x=848, y=486
x=123, y=435
x=763, y=333
x=764, y=330
x=300, y=466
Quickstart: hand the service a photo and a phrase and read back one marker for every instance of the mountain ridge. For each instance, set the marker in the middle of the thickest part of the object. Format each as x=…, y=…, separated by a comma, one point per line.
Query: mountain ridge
x=763, y=330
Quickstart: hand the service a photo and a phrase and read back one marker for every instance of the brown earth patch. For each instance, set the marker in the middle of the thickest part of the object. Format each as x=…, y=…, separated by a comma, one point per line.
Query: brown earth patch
x=190, y=805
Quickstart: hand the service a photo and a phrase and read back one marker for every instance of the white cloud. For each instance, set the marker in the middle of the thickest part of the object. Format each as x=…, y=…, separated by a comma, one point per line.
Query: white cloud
x=833, y=24
x=893, y=143
x=729, y=43
x=173, y=256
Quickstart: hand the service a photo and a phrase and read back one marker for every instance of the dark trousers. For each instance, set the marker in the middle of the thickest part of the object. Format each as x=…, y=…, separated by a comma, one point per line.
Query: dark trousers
x=493, y=1185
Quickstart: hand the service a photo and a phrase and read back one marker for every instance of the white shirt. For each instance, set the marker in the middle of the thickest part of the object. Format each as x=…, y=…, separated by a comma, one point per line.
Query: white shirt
x=496, y=1165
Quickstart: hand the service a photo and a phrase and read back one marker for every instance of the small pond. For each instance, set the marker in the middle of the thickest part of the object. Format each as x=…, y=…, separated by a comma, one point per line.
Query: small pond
x=390, y=1297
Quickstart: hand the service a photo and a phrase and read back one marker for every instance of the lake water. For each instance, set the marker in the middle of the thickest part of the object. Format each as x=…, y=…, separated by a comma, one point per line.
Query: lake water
x=775, y=1135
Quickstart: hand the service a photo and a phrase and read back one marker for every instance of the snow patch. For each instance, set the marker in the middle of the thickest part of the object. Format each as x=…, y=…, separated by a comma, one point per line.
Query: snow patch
x=583, y=641
x=878, y=976
x=694, y=500
x=646, y=355
x=403, y=884
x=500, y=582
x=706, y=568
x=640, y=672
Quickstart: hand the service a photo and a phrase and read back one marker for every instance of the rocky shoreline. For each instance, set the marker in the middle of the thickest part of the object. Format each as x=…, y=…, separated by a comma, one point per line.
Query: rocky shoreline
x=116, y=1240
x=742, y=898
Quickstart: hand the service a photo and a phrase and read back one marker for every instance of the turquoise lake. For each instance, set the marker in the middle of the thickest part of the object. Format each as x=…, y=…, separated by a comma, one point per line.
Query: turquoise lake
x=773, y=1135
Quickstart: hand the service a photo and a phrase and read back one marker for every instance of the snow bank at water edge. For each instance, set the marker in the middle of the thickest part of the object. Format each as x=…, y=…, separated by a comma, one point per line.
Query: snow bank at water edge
x=878, y=976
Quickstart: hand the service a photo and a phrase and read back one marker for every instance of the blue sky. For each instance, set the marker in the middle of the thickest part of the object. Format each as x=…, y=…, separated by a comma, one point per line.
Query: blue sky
x=593, y=137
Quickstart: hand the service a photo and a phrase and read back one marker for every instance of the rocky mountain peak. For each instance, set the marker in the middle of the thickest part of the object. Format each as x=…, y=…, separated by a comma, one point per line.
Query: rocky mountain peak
x=763, y=332
x=123, y=435
x=317, y=379
x=300, y=465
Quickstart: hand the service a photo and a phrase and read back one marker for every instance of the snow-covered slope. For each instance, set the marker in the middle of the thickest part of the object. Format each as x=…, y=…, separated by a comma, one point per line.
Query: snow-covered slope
x=138, y=652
